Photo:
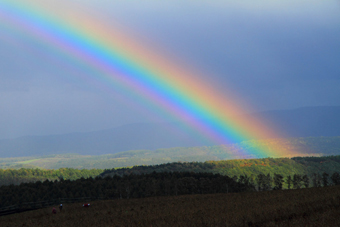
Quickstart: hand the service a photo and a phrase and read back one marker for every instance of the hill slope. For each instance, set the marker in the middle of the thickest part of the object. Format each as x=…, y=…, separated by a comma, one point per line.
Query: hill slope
x=250, y=167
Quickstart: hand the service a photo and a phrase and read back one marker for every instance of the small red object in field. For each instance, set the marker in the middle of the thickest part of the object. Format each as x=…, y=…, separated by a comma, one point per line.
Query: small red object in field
x=86, y=205
x=54, y=210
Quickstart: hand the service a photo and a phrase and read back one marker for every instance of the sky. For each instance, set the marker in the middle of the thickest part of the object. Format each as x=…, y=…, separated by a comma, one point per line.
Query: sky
x=269, y=54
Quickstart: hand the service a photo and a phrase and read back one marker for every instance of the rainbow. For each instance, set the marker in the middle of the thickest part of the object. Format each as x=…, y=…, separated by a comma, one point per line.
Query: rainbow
x=122, y=64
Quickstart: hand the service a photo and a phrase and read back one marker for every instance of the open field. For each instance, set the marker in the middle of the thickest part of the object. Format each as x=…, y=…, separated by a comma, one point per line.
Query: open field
x=302, y=207
x=308, y=146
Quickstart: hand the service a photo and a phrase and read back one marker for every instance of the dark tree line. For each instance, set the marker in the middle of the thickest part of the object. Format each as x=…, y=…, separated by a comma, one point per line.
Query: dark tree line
x=23, y=175
x=267, y=182
x=196, y=167
x=129, y=186
x=154, y=184
x=251, y=167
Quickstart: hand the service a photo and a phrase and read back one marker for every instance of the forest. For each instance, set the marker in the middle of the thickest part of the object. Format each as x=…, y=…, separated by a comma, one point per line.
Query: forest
x=129, y=186
x=15, y=177
x=44, y=188
x=151, y=185
x=312, y=167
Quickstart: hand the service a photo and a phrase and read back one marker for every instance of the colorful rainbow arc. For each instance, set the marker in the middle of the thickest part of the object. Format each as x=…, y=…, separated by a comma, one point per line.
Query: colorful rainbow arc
x=123, y=63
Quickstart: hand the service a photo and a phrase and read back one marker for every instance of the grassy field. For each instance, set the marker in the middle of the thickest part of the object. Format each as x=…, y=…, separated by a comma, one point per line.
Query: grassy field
x=309, y=146
x=302, y=207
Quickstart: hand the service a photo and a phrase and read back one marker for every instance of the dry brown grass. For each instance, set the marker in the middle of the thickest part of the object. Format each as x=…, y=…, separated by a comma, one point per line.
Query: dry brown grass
x=303, y=207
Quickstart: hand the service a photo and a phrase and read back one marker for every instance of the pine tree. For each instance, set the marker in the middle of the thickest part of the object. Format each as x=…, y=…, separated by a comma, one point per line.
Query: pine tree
x=305, y=180
x=297, y=181
x=335, y=178
x=325, y=179
x=278, y=181
x=289, y=181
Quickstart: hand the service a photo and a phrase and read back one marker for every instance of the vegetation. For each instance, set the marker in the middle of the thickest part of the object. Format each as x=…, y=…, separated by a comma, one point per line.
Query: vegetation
x=11, y=176
x=301, y=207
x=307, y=167
x=166, y=188
x=310, y=146
x=313, y=170
x=158, y=194
x=131, y=186
x=152, y=184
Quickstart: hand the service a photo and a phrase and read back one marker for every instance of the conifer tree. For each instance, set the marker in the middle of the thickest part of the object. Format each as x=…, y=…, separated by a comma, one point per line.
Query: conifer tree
x=325, y=179
x=297, y=181
x=278, y=181
x=305, y=180
x=335, y=178
x=289, y=181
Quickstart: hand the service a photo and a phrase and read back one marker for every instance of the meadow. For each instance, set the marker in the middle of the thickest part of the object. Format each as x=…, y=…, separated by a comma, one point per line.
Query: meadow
x=300, y=207
x=307, y=146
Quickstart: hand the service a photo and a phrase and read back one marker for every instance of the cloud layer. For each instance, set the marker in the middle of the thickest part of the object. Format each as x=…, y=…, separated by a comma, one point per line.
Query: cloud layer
x=271, y=55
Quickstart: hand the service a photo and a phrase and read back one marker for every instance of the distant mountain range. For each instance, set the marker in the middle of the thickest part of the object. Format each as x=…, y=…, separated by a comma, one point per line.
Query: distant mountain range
x=302, y=122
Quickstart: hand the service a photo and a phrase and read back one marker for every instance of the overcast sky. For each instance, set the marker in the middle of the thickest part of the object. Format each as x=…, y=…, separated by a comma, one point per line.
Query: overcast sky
x=273, y=54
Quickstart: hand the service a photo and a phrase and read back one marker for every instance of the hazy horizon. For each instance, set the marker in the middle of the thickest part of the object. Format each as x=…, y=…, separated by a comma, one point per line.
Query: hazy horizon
x=145, y=122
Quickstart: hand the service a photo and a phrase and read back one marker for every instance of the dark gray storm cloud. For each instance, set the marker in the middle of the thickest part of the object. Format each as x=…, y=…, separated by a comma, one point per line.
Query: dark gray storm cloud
x=273, y=54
